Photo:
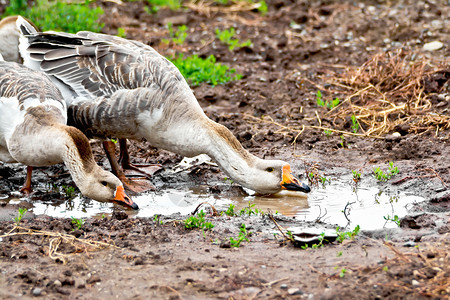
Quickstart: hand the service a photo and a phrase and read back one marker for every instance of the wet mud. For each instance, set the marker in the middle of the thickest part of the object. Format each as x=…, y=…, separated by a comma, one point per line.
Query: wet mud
x=298, y=48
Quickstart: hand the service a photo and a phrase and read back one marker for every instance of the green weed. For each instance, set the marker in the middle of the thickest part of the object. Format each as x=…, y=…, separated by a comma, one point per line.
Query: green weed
x=250, y=210
x=121, y=32
x=381, y=176
x=198, y=222
x=157, y=220
x=356, y=176
x=157, y=4
x=394, y=219
x=355, y=124
x=230, y=211
x=226, y=37
x=342, y=143
x=243, y=236
x=226, y=179
x=197, y=70
x=339, y=254
x=177, y=35
x=58, y=15
x=342, y=273
x=321, y=239
x=341, y=236
x=69, y=191
x=77, y=222
x=21, y=213
x=330, y=104
x=328, y=133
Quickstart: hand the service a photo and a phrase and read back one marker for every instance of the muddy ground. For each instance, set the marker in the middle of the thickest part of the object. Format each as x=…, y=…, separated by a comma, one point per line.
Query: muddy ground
x=299, y=47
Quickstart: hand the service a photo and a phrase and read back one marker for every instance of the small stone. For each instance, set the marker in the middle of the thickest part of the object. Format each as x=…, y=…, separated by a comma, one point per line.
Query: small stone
x=396, y=134
x=36, y=292
x=93, y=279
x=432, y=46
x=225, y=244
x=284, y=286
x=80, y=283
x=409, y=244
x=415, y=282
x=295, y=291
x=57, y=283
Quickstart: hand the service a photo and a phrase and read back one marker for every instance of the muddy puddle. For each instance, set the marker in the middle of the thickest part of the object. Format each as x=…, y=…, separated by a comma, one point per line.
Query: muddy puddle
x=364, y=205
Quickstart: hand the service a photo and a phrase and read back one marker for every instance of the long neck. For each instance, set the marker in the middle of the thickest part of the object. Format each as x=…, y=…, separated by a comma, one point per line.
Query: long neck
x=227, y=151
x=77, y=156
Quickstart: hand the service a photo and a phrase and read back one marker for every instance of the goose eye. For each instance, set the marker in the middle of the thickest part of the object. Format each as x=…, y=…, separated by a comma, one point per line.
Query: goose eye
x=270, y=169
x=104, y=183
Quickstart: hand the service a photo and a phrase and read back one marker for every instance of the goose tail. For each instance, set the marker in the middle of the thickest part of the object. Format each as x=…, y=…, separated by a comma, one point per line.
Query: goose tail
x=26, y=30
x=25, y=27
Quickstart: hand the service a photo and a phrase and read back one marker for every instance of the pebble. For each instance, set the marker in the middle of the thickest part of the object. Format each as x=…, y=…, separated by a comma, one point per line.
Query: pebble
x=57, y=283
x=415, y=282
x=295, y=291
x=396, y=134
x=284, y=286
x=37, y=292
x=432, y=46
x=409, y=244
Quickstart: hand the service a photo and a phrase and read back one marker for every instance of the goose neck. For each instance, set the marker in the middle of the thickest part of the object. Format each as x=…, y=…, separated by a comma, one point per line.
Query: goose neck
x=229, y=154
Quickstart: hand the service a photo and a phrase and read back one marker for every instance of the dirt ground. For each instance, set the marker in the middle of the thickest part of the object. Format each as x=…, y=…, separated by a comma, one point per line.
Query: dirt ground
x=362, y=53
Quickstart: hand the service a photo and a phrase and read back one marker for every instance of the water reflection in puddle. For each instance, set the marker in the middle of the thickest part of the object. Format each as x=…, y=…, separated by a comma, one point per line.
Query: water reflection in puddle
x=367, y=207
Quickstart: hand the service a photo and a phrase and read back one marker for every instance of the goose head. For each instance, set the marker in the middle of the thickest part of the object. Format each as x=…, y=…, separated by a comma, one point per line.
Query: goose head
x=103, y=186
x=273, y=176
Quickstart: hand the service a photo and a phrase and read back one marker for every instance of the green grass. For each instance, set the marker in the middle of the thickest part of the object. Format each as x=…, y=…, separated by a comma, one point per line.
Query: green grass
x=121, y=33
x=197, y=70
x=356, y=176
x=177, y=35
x=243, y=236
x=198, y=222
x=77, y=222
x=395, y=219
x=58, y=15
x=381, y=176
x=347, y=235
x=355, y=124
x=250, y=210
x=69, y=191
x=157, y=4
x=21, y=213
x=226, y=37
x=330, y=104
x=230, y=211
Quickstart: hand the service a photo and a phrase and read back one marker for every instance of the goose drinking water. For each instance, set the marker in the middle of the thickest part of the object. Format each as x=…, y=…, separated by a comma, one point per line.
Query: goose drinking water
x=33, y=132
x=124, y=89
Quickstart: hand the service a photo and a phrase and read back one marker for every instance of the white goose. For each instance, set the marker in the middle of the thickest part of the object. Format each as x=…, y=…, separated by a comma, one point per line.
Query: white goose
x=124, y=89
x=33, y=132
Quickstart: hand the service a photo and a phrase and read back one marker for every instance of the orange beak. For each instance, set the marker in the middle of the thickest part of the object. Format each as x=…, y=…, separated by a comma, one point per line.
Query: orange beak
x=291, y=183
x=123, y=199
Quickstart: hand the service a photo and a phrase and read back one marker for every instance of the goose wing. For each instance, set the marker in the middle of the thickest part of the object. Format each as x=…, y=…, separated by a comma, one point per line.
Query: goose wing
x=92, y=64
x=30, y=88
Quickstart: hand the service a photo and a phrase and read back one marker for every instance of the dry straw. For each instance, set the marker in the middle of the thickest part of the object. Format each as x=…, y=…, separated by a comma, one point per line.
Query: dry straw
x=390, y=90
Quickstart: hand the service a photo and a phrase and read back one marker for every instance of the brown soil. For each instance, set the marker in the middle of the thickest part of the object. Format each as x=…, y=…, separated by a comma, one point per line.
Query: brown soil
x=299, y=47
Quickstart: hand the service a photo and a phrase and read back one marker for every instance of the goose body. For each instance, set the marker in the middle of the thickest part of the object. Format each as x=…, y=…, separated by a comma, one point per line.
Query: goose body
x=124, y=89
x=33, y=132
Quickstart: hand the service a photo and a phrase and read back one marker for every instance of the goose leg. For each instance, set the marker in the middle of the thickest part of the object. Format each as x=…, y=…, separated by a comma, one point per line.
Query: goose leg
x=124, y=159
x=137, y=185
x=26, y=189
